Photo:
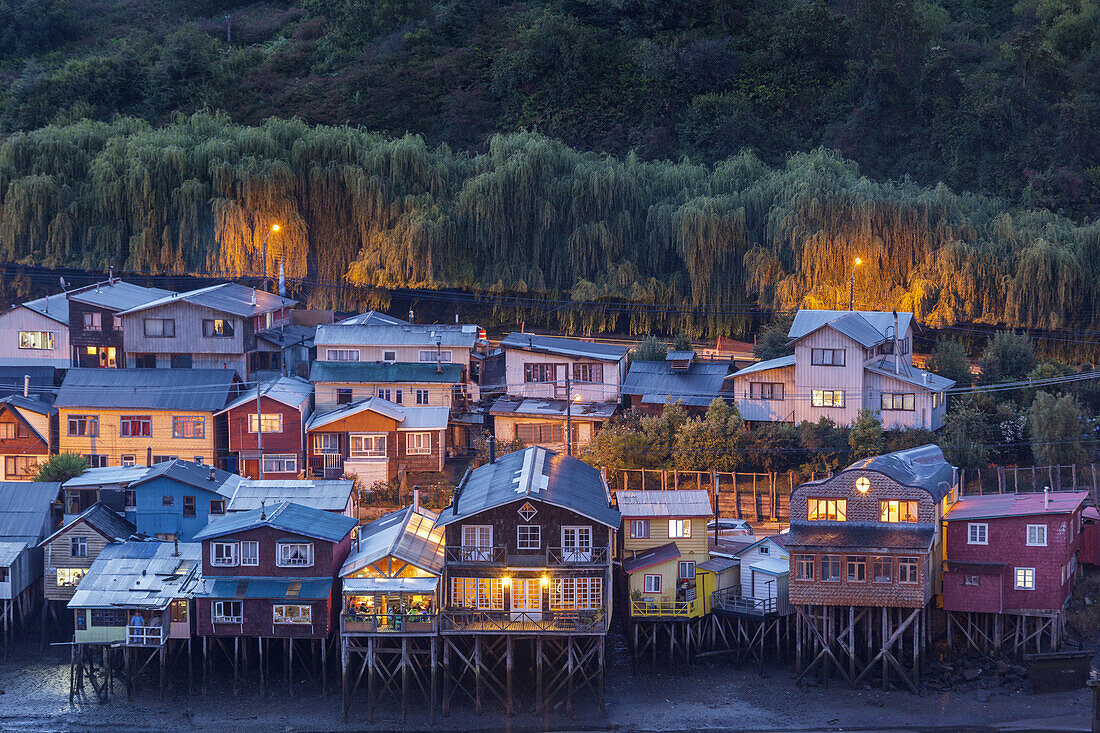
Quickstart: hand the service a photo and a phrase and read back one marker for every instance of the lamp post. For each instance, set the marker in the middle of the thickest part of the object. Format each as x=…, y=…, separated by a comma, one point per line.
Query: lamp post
x=852, y=284
x=274, y=228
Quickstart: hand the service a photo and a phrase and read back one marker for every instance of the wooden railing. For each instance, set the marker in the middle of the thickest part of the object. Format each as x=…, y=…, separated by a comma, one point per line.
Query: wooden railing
x=475, y=554
x=395, y=623
x=576, y=555
x=675, y=609
x=585, y=621
x=146, y=635
x=730, y=599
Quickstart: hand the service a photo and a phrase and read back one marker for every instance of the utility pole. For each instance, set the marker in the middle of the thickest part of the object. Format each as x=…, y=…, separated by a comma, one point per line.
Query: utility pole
x=852, y=284
x=259, y=433
x=568, y=416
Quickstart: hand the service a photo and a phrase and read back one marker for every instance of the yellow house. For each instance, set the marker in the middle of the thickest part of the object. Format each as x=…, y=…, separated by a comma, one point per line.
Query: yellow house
x=664, y=539
x=119, y=417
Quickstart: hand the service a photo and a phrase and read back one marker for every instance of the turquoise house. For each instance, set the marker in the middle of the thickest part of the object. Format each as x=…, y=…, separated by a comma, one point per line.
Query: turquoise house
x=175, y=499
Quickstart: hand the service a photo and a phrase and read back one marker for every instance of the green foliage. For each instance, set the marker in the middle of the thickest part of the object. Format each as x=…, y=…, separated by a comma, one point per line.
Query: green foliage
x=948, y=359
x=1009, y=356
x=1057, y=429
x=825, y=441
x=33, y=27
x=772, y=341
x=61, y=467
x=964, y=436
x=710, y=442
x=866, y=436
x=503, y=447
x=682, y=342
x=649, y=349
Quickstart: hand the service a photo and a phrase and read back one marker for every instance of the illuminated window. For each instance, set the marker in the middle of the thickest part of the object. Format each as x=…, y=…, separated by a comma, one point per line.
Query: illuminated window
x=1025, y=578
x=217, y=328
x=38, y=340
x=292, y=614
x=897, y=511
x=270, y=422
x=827, y=398
x=70, y=577
x=829, y=510
x=486, y=594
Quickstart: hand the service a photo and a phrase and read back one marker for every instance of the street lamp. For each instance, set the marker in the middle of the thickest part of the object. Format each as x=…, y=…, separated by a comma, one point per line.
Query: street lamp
x=274, y=228
x=852, y=283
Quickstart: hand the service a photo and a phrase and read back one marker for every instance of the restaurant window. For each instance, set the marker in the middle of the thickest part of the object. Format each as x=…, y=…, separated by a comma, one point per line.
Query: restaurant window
x=897, y=511
x=188, y=427
x=83, y=426
x=827, y=357
x=639, y=529
x=679, y=529
x=898, y=401
x=285, y=613
x=368, y=446
x=269, y=422
x=70, y=577
x=217, y=328
x=478, y=593
x=804, y=567
x=766, y=390
x=294, y=554
x=418, y=444
x=188, y=506
x=882, y=567
x=652, y=583
x=592, y=373
x=528, y=537
x=38, y=340
x=134, y=426
x=93, y=322
x=228, y=612
x=284, y=463
x=829, y=510
x=577, y=594
x=857, y=569
x=830, y=568
x=342, y=354
x=908, y=570
x=827, y=398
x=160, y=328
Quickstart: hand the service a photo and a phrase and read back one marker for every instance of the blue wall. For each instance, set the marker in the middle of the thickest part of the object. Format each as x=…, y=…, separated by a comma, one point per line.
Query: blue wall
x=152, y=517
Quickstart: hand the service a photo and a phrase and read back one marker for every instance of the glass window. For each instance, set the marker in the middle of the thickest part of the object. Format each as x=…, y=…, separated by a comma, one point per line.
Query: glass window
x=217, y=328
x=418, y=444
x=270, y=422
x=223, y=554
x=898, y=401
x=687, y=570
x=228, y=612
x=133, y=426
x=294, y=554
x=429, y=355
x=576, y=594
x=536, y=433
x=217, y=507
x=145, y=361
x=538, y=373
x=1037, y=535
x=78, y=546
x=342, y=354
x=830, y=568
x=343, y=395
x=480, y=593
x=38, y=340
x=93, y=322
x=369, y=446
x=977, y=534
x=284, y=463
x=908, y=570
x=326, y=443
x=188, y=427
x=652, y=583
x=588, y=373
x=163, y=459
x=894, y=511
x=160, y=328
x=389, y=356
x=7, y=431
x=804, y=567
x=827, y=357
x=766, y=390
x=17, y=467
x=827, y=398
x=679, y=529
x=188, y=506
x=1025, y=578
x=128, y=459
x=830, y=510
x=292, y=614
x=528, y=537
x=70, y=577
x=883, y=568
x=421, y=396
x=250, y=553
x=85, y=426
x=639, y=529
x=857, y=569
x=96, y=460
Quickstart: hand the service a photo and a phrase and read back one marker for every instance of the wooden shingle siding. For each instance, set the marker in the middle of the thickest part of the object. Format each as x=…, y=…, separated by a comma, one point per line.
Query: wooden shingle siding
x=57, y=555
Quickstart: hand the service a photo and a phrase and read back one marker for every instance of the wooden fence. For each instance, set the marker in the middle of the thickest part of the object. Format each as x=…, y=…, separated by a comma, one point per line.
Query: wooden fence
x=1025, y=479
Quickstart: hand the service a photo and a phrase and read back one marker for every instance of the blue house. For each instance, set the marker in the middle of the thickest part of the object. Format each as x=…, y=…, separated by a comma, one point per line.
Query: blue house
x=175, y=499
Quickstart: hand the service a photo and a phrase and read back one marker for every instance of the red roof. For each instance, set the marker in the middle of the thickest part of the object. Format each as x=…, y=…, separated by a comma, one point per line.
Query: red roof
x=993, y=506
x=648, y=558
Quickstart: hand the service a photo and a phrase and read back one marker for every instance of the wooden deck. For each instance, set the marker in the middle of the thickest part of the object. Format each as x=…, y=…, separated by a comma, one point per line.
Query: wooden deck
x=549, y=622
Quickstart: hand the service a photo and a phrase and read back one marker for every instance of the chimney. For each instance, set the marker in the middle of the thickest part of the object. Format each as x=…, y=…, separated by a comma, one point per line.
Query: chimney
x=212, y=476
x=456, y=319
x=26, y=385
x=897, y=355
x=263, y=509
x=410, y=315
x=176, y=545
x=1046, y=497
x=110, y=274
x=416, y=499
x=438, y=358
x=149, y=456
x=492, y=449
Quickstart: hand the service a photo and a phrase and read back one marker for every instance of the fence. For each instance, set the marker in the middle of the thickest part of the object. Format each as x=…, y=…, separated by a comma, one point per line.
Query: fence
x=1024, y=479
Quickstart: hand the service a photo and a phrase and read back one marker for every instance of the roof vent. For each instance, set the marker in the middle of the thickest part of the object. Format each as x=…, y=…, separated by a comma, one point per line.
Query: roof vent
x=213, y=476
x=263, y=509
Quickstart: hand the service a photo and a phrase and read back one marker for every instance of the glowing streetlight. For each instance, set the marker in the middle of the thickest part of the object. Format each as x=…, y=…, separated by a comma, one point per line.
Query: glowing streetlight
x=274, y=228
x=852, y=283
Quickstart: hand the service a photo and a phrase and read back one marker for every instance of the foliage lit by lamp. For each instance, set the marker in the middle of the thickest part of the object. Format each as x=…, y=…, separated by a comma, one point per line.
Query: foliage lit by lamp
x=852, y=283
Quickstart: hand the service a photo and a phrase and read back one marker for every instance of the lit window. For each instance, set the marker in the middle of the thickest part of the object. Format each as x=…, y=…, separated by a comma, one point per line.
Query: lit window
x=679, y=529
x=894, y=511
x=1025, y=578
x=70, y=577
x=217, y=328
x=291, y=614
x=827, y=398
x=38, y=340
x=829, y=510
x=270, y=422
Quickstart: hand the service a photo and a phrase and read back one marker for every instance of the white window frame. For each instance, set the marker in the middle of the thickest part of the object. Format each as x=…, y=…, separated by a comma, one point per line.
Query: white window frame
x=1037, y=529
x=637, y=524
x=29, y=339
x=342, y=354
x=377, y=442
x=389, y=356
x=579, y=551
x=977, y=533
x=271, y=422
x=321, y=443
x=302, y=616
x=78, y=546
x=835, y=398
x=690, y=568
x=477, y=542
x=250, y=553
x=528, y=537
x=1027, y=575
x=418, y=444
x=231, y=559
x=428, y=356
x=283, y=552
x=280, y=463
x=763, y=550
x=679, y=529
x=218, y=612
x=651, y=587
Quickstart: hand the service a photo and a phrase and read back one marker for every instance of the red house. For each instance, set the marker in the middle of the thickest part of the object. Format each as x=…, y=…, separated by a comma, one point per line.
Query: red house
x=278, y=423
x=1011, y=559
x=270, y=572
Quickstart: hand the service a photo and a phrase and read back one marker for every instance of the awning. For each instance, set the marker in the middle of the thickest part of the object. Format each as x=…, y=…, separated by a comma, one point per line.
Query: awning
x=353, y=586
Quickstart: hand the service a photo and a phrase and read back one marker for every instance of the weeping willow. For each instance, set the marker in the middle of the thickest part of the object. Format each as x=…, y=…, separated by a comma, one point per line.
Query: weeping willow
x=641, y=246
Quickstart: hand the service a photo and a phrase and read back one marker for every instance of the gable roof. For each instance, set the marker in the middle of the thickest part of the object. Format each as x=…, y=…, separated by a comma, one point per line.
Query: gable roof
x=411, y=536
x=779, y=540
x=302, y=520
x=374, y=334
x=43, y=381
x=288, y=334
x=106, y=475
x=542, y=406
x=232, y=298
x=382, y=371
x=196, y=390
x=373, y=318
x=140, y=574
x=20, y=404
x=109, y=524
x=911, y=375
x=289, y=391
x=55, y=307
x=574, y=348
x=657, y=382
x=533, y=473
x=193, y=474
x=996, y=506
x=10, y=550
x=682, y=503
x=371, y=404
x=329, y=495
x=117, y=295
x=867, y=328
x=25, y=509
x=761, y=366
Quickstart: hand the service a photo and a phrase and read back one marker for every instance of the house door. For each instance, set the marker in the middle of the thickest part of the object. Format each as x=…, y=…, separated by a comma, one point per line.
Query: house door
x=477, y=543
x=576, y=544
x=561, y=372
x=526, y=599
x=763, y=586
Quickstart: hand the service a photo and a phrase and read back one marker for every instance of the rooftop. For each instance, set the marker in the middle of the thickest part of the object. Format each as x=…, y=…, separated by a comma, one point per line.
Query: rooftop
x=574, y=348
x=411, y=536
x=868, y=328
x=266, y=588
x=642, y=559
x=295, y=518
x=52, y=306
x=288, y=334
x=374, y=334
x=995, y=506
x=762, y=366
x=923, y=467
x=103, y=520
x=198, y=475
x=197, y=390
x=25, y=509
x=43, y=381
x=371, y=404
x=373, y=318
x=508, y=405
x=910, y=374
x=857, y=535
x=121, y=475
x=382, y=371
x=290, y=391
x=658, y=383
x=232, y=298
x=329, y=495
x=117, y=295
x=139, y=574
x=684, y=503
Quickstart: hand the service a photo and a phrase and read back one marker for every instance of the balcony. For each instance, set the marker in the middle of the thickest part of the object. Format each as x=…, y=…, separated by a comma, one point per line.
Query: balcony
x=551, y=557
x=664, y=609
x=146, y=635
x=476, y=555
x=387, y=623
x=593, y=621
x=576, y=555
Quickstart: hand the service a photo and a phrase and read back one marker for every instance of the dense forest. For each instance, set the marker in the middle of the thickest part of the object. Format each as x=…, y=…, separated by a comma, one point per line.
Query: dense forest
x=699, y=154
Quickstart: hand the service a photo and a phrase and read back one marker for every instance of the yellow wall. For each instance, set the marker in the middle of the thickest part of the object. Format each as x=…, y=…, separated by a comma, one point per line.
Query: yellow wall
x=111, y=443
x=658, y=535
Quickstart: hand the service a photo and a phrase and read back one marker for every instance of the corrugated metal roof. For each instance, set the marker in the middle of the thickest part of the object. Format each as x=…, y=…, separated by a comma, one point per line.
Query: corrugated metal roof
x=770, y=565
x=103, y=520
x=289, y=391
x=10, y=551
x=117, y=295
x=266, y=588
x=25, y=509
x=539, y=406
x=995, y=506
x=372, y=404
x=648, y=558
x=52, y=306
x=381, y=371
x=718, y=564
x=410, y=536
x=140, y=574
x=923, y=467
x=534, y=473
x=373, y=318
x=871, y=327
x=683, y=503
x=761, y=366
x=856, y=535
x=425, y=418
x=658, y=383
x=232, y=298
x=427, y=336
x=191, y=390
x=29, y=404
x=286, y=516
x=911, y=375
x=43, y=381
x=107, y=475
x=390, y=585
x=193, y=474
x=680, y=356
x=328, y=495
x=564, y=346
x=289, y=334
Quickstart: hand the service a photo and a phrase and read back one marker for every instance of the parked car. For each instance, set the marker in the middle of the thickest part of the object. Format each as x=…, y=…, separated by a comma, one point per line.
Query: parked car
x=731, y=529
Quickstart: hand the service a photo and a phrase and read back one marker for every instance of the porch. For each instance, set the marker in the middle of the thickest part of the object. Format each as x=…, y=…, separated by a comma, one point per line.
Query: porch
x=589, y=621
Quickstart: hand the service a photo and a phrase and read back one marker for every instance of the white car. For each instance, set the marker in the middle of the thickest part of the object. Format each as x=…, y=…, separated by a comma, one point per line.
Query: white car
x=730, y=529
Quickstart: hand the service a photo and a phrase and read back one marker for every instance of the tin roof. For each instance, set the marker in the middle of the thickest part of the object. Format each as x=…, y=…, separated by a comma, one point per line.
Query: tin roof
x=867, y=328
x=680, y=355
x=120, y=475
x=52, y=306
x=643, y=559
x=117, y=295
x=302, y=520
x=267, y=588
x=10, y=551
x=857, y=535
x=411, y=536
x=659, y=383
x=371, y=404
x=139, y=574
x=199, y=475
x=232, y=298
x=43, y=381
x=911, y=375
x=995, y=506
x=25, y=509
x=373, y=318
x=103, y=520
x=390, y=585
x=289, y=391
x=539, y=406
x=535, y=473
x=382, y=371
x=373, y=334
x=574, y=348
x=190, y=390
x=761, y=366
x=683, y=503
x=329, y=495
x=289, y=334
x=30, y=404
x=923, y=467
x=718, y=564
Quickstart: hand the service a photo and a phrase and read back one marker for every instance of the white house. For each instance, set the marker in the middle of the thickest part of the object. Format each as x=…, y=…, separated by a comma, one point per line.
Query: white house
x=551, y=381
x=765, y=568
x=36, y=333
x=844, y=361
